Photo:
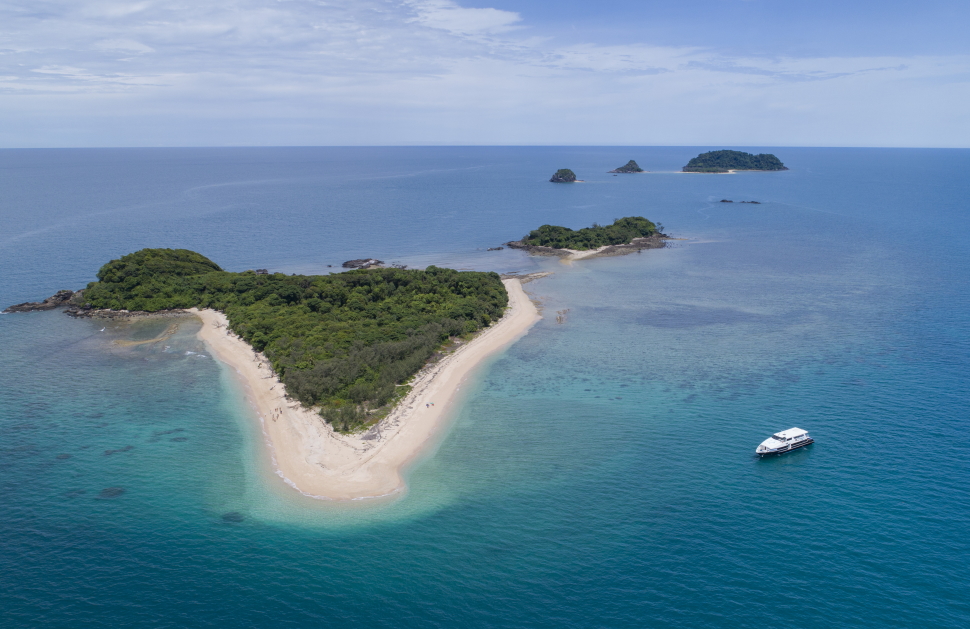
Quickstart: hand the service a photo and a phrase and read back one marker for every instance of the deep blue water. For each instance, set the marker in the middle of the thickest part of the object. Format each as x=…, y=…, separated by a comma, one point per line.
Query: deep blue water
x=599, y=473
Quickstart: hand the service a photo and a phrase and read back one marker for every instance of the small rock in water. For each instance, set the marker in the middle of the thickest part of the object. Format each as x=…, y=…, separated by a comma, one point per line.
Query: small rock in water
x=233, y=516
x=111, y=492
x=63, y=456
x=362, y=263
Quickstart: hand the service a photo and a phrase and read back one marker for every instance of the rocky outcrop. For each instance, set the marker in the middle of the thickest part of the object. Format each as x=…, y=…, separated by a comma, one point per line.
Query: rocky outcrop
x=563, y=175
x=57, y=300
x=81, y=312
x=362, y=263
x=631, y=167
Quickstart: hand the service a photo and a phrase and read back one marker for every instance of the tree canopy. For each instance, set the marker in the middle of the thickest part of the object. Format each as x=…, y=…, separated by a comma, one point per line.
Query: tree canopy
x=723, y=161
x=563, y=175
x=630, y=167
x=344, y=341
x=621, y=232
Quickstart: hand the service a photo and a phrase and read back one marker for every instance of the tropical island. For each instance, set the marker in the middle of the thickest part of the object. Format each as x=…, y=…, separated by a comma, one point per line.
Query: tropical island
x=351, y=374
x=342, y=342
x=624, y=235
x=727, y=161
x=563, y=175
x=630, y=167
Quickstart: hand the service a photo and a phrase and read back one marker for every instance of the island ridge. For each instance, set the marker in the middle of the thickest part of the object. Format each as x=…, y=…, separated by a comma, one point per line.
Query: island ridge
x=727, y=161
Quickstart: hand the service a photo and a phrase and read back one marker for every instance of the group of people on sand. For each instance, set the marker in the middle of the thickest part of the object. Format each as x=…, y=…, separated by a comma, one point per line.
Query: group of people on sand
x=429, y=405
x=277, y=413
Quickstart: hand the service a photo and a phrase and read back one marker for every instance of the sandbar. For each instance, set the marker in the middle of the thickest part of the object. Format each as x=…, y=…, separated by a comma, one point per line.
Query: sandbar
x=319, y=462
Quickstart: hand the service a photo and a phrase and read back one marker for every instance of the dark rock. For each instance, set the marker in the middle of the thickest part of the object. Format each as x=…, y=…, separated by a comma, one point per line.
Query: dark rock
x=496, y=248
x=563, y=175
x=362, y=263
x=87, y=312
x=262, y=272
x=233, y=516
x=58, y=299
x=728, y=201
x=630, y=167
x=111, y=492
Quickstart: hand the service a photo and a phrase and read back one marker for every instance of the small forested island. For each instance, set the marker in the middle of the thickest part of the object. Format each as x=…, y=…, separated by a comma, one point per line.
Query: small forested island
x=563, y=175
x=630, y=167
x=725, y=161
x=342, y=342
x=624, y=235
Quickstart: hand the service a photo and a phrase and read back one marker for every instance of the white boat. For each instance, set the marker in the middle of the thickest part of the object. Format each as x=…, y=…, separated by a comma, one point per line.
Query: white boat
x=785, y=441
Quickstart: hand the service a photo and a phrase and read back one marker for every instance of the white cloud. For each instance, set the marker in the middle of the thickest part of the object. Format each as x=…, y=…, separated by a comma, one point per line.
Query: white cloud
x=449, y=16
x=432, y=71
x=124, y=45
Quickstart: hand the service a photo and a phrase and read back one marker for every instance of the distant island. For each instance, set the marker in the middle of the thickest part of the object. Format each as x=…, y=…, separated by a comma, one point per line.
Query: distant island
x=563, y=175
x=623, y=236
x=631, y=167
x=725, y=161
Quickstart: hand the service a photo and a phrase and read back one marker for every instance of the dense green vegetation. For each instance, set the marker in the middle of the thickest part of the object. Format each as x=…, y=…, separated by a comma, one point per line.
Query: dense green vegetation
x=723, y=161
x=563, y=175
x=621, y=232
x=343, y=342
x=630, y=167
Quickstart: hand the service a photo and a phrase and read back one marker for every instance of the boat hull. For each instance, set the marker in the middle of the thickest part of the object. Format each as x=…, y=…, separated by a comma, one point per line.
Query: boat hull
x=789, y=448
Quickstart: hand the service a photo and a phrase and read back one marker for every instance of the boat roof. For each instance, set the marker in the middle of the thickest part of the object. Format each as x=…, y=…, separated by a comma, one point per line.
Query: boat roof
x=791, y=432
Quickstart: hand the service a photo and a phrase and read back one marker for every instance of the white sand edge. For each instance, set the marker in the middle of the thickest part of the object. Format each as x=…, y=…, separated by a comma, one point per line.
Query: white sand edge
x=321, y=463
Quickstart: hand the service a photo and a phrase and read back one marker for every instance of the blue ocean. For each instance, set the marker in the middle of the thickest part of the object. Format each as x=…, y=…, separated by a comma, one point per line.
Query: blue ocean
x=599, y=473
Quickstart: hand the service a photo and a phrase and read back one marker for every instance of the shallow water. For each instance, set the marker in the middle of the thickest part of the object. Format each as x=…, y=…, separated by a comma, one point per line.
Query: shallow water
x=599, y=473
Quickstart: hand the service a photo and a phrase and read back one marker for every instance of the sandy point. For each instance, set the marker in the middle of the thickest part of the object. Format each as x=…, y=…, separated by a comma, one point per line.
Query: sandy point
x=318, y=462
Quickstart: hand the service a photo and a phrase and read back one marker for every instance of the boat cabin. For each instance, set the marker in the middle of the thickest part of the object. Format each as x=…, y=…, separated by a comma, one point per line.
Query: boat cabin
x=784, y=441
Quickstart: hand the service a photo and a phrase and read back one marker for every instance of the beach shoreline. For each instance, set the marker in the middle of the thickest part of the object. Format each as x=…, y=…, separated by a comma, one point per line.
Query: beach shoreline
x=321, y=463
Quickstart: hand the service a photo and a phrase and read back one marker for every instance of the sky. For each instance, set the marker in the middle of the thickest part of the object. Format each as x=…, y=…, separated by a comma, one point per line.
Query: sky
x=730, y=73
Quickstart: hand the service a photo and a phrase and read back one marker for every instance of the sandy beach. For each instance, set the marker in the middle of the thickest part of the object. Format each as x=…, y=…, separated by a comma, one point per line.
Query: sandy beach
x=319, y=462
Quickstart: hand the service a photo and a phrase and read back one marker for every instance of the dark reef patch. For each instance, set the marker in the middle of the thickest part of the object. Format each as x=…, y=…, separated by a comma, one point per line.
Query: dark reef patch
x=111, y=492
x=159, y=434
x=233, y=516
x=125, y=449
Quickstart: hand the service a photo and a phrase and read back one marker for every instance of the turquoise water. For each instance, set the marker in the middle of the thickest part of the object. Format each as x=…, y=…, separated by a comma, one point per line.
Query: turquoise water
x=598, y=474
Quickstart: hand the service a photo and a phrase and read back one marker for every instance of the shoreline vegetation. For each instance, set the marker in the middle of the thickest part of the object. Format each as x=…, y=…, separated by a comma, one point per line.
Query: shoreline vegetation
x=731, y=161
x=625, y=235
